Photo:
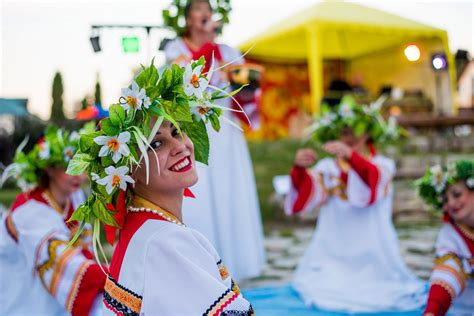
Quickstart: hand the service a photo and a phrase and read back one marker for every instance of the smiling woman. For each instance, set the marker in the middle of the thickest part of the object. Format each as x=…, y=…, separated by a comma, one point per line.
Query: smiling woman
x=141, y=162
x=451, y=188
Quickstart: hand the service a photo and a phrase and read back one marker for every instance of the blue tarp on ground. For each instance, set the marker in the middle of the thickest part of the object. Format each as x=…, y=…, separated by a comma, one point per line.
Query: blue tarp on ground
x=284, y=300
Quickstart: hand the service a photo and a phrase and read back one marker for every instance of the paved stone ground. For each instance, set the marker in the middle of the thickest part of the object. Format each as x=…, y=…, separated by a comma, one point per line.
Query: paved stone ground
x=286, y=246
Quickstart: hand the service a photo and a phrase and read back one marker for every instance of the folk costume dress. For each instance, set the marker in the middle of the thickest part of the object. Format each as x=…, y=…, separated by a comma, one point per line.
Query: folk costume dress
x=161, y=267
x=353, y=262
x=226, y=206
x=39, y=274
x=452, y=279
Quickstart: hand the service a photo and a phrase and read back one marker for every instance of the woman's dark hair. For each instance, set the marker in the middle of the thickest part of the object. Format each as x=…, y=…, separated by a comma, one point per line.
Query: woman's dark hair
x=43, y=179
x=190, y=3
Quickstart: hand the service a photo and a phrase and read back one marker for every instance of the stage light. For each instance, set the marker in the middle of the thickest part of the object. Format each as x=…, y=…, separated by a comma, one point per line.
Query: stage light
x=412, y=52
x=95, y=43
x=130, y=44
x=439, y=62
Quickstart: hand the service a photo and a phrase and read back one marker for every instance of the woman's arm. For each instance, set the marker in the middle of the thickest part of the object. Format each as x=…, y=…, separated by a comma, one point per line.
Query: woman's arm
x=306, y=191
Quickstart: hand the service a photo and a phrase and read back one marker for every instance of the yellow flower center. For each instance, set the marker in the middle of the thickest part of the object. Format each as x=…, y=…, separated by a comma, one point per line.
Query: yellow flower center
x=115, y=180
x=131, y=101
x=113, y=144
x=69, y=153
x=204, y=110
x=195, y=81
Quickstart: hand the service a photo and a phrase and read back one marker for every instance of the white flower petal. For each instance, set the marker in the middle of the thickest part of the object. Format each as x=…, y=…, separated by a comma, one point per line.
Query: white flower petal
x=124, y=150
x=110, y=170
x=129, y=179
x=116, y=156
x=102, y=140
x=121, y=170
x=104, y=151
x=124, y=137
x=109, y=188
x=104, y=180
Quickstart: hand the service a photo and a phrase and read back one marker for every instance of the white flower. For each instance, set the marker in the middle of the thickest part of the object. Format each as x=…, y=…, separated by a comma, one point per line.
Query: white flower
x=328, y=119
x=470, y=183
x=392, y=126
x=346, y=111
x=44, y=153
x=438, y=178
x=194, y=84
x=200, y=109
x=68, y=152
x=74, y=136
x=115, y=176
x=134, y=98
x=94, y=176
x=451, y=170
x=117, y=145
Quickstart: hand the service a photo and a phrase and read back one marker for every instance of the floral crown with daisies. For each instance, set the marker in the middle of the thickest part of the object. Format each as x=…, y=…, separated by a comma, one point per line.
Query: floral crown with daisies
x=360, y=118
x=54, y=149
x=432, y=186
x=180, y=95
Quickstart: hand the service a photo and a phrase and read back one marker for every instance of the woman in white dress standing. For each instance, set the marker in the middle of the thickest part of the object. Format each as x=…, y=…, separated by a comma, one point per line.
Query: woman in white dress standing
x=226, y=189
x=353, y=261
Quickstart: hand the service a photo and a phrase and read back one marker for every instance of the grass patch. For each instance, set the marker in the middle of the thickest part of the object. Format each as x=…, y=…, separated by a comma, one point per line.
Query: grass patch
x=7, y=196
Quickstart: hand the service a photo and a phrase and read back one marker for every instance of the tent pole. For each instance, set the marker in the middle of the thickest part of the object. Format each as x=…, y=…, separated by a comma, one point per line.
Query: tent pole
x=315, y=67
x=451, y=73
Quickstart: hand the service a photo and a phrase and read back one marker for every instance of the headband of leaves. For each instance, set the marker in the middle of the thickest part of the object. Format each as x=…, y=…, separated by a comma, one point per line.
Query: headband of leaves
x=361, y=119
x=432, y=186
x=174, y=16
x=180, y=95
x=56, y=148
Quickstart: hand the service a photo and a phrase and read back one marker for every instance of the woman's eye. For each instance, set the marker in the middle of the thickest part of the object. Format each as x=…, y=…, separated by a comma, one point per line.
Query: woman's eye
x=175, y=132
x=156, y=144
x=457, y=194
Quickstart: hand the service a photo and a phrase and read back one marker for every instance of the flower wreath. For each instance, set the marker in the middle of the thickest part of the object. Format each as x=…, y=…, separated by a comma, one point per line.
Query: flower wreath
x=360, y=118
x=432, y=186
x=181, y=95
x=173, y=16
x=55, y=148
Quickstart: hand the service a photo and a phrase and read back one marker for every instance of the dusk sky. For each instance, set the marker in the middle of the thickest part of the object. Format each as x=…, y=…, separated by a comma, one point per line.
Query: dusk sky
x=38, y=38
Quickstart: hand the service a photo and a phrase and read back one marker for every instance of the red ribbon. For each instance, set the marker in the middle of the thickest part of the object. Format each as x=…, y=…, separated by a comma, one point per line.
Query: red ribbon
x=188, y=193
x=119, y=216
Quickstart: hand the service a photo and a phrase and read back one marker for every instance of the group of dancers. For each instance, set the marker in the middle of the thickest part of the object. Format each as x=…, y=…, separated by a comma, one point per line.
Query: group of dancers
x=169, y=174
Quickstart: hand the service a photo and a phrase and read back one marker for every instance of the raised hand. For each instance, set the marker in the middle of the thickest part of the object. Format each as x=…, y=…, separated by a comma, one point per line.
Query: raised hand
x=339, y=149
x=305, y=158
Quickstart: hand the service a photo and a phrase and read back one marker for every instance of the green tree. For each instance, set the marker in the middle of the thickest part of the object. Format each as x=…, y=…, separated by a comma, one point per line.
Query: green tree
x=97, y=94
x=57, y=112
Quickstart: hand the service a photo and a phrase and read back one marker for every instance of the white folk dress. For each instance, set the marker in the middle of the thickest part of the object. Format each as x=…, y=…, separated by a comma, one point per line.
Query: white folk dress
x=226, y=206
x=161, y=267
x=452, y=279
x=353, y=261
x=39, y=275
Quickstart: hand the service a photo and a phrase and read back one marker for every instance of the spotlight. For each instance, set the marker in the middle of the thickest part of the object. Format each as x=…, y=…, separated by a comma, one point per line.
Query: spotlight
x=95, y=43
x=439, y=62
x=412, y=52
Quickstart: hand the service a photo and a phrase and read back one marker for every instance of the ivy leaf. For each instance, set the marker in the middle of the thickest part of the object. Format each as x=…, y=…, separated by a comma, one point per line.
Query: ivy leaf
x=216, y=125
x=117, y=115
x=183, y=114
x=78, y=164
x=101, y=212
x=80, y=213
x=86, y=141
x=109, y=128
x=197, y=132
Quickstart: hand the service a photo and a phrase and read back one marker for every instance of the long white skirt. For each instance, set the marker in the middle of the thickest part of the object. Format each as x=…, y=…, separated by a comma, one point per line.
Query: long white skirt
x=353, y=262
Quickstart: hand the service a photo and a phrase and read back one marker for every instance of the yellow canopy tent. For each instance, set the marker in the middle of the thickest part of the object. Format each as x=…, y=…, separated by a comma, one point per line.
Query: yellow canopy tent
x=347, y=31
